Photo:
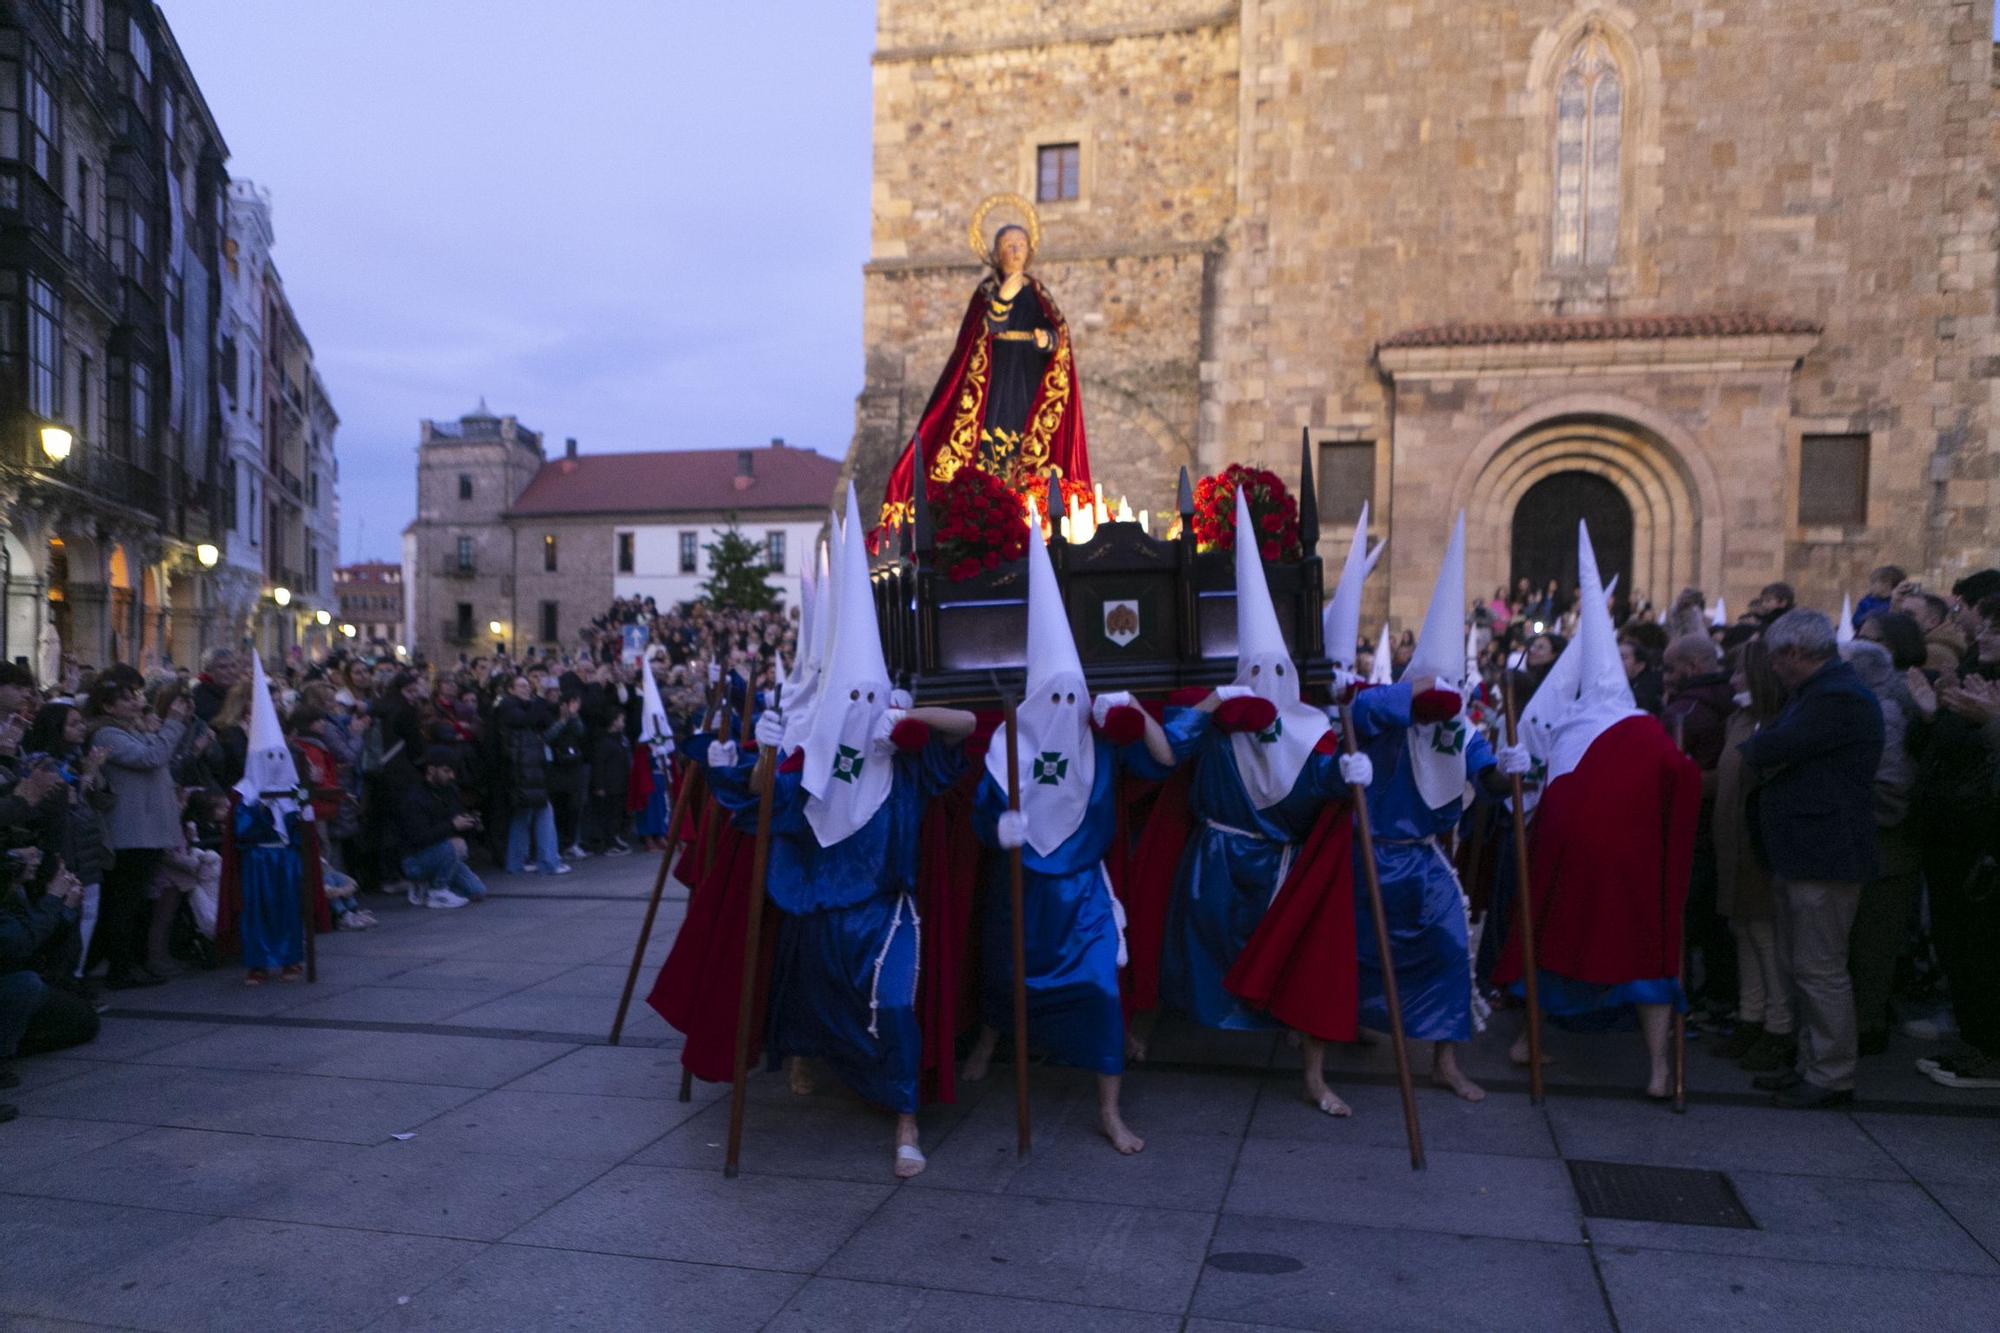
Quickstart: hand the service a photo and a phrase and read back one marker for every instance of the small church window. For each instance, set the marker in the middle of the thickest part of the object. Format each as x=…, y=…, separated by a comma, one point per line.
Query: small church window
x=1589, y=113
x=1058, y=172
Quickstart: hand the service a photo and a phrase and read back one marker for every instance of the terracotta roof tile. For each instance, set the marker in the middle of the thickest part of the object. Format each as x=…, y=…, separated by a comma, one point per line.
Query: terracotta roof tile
x=1597, y=329
x=681, y=480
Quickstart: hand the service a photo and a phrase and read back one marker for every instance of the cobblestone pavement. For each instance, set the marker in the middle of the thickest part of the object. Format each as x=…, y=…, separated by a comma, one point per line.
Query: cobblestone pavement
x=437, y=1136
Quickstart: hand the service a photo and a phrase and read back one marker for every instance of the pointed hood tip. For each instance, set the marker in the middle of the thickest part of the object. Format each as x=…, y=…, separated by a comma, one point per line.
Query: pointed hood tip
x=1440, y=643
x=1257, y=632
x=1341, y=626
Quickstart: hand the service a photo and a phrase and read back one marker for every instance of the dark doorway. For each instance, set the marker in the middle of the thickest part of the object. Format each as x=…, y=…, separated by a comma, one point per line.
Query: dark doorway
x=1545, y=532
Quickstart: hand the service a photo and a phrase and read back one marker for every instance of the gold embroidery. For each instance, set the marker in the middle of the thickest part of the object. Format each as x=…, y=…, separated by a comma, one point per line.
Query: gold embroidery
x=963, y=441
x=1016, y=336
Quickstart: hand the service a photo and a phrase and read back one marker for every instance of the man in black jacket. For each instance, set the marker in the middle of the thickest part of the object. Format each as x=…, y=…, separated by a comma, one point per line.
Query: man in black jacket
x=430, y=824
x=523, y=722
x=1816, y=827
x=35, y=1017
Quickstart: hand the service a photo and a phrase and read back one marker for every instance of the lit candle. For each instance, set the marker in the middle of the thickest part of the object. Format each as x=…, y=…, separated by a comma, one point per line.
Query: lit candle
x=1099, y=513
x=1065, y=527
x=1146, y=521
x=1124, y=510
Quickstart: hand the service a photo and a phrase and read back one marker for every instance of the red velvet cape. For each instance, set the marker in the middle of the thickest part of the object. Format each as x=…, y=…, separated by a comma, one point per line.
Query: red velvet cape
x=957, y=407
x=229, y=895
x=1609, y=857
x=1299, y=965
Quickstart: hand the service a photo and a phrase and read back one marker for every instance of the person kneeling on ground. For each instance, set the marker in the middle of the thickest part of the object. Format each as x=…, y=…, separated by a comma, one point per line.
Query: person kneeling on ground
x=428, y=818
x=35, y=1017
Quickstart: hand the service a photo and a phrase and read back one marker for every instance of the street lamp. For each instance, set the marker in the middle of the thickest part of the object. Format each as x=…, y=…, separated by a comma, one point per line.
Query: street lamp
x=282, y=595
x=56, y=443
x=323, y=616
x=347, y=631
x=494, y=628
x=207, y=553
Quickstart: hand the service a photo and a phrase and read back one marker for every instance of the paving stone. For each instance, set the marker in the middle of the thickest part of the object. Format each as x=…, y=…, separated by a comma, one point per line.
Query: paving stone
x=34, y=1142
x=1363, y=1277
x=57, y=1251
x=1977, y=1209
x=402, y=1057
x=1960, y=1150
x=1075, y=1161
x=594, y=980
x=492, y=975
x=346, y=1110
x=188, y=1170
x=423, y=1187
x=221, y=993
x=40, y=1071
x=831, y=1140
x=696, y=1216
x=1505, y=1123
x=831, y=1303
x=394, y=1004
x=617, y=1071
x=1653, y=1291
x=519, y=1286
x=578, y=1126
x=1718, y=1138
x=1882, y=1223
x=588, y=1017
x=121, y=1038
x=1457, y=1194
x=1042, y=1249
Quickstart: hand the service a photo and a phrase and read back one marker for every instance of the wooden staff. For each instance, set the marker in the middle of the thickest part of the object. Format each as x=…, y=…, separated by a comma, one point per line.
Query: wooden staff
x=1365, y=832
x=1680, y=1102
x=1022, y=1137
x=718, y=693
x=1524, y=898
x=652, y=909
x=762, y=781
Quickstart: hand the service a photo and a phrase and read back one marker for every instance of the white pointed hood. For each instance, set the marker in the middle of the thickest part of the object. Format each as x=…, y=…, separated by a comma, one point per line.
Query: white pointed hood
x=1843, y=632
x=1720, y=616
x=1382, y=671
x=802, y=653
x=799, y=700
x=269, y=775
x=1437, y=749
x=1268, y=761
x=1340, y=623
x=1056, y=753
x=654, y=728
x=845, y=781
x=1585, y=693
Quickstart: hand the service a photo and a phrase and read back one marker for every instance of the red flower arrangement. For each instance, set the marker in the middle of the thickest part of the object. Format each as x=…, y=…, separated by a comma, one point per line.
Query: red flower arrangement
x=1272, y=509
x=980, y=523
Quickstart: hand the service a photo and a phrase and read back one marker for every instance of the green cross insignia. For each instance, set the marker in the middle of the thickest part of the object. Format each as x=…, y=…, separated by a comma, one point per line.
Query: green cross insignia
x=847, y=762
x=1276, y=729
x=1050, y=768
x=1448, y=737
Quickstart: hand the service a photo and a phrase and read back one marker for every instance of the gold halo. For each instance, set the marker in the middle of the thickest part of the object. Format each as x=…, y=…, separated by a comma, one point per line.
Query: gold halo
x=975, y=233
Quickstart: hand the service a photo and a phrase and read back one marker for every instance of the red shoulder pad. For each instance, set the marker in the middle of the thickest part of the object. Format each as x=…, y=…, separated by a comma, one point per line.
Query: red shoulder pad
x=1435, y=706
x=795, y=762
x=1123, y=725
x=1247, y=714
x=1329, y=742
x=911, y=734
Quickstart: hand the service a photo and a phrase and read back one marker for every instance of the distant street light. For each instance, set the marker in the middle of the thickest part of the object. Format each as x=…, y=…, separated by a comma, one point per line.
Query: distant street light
x=56, y=443
x=282, y=595
x=347, y=631
x=494, y=627
x=323, y=616
x=207, y=553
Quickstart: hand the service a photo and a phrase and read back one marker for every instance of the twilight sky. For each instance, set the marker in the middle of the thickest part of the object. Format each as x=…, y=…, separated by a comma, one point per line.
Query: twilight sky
x=637, y=222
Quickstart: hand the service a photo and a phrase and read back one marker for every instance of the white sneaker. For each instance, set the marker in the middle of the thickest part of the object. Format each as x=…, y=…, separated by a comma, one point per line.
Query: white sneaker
x=576, y=853
x=561, y=869
x=366, y=918
x=416, y=896
x=350, y=921
x=530, y=869
x=444, y=898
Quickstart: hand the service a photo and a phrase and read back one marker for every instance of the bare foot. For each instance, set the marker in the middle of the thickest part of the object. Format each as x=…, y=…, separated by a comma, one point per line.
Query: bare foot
x=980, y=1062
x=909, y=1158
x=1135, y=1048
x=1446, y=1074
x=1323, y=1097
x=296, y=972
x=1123, y=1139
x=1659, y=1086
x=799, y=1074
x=1518, y=1052
x=256, y=977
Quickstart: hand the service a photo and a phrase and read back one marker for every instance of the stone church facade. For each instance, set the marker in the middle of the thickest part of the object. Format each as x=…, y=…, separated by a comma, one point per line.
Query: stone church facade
x=1718, y=275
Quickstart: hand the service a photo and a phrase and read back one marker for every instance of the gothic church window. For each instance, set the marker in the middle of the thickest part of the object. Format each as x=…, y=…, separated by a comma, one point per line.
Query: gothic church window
x=1058, y=169
x=1590, y=104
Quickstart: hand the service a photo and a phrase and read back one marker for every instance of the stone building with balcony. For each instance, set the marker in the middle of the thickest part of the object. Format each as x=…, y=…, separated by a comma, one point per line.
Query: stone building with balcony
x=370, y=594
x=111, y=181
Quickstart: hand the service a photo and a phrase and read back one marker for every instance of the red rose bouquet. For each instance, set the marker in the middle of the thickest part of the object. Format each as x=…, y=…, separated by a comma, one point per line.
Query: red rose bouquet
x=1272, y=509
x=980, y=523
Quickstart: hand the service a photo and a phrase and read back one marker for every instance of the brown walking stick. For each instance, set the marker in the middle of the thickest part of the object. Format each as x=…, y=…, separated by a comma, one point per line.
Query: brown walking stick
x=1524, y=898
x=1022, y=1135
x=762, y=781
x=1366, y=834
x=652, y=910
x=1680, y=1102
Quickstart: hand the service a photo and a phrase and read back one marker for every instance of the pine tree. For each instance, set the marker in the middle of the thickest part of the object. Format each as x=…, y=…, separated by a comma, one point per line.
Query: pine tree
x=738, y=573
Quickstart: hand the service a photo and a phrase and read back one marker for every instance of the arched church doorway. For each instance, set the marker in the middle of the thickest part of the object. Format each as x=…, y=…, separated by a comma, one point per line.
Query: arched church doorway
x=1544, y=545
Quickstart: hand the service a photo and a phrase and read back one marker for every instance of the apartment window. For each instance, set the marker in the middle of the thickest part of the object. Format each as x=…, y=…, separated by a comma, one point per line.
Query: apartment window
x=774, y=549
x=464, y=625
x=690, y=551
x=549, y=630
x=465, y=554
x=465, y=486
x=28, y=114
x=141, y=406
x=86, y=392
x=45, y=396
x=624, y=553
x=1056, y=171
x=1346, y=478
x=85, y=192
x=548, y=553
x=141, y=49
x=1833, y=479
x=250, y=506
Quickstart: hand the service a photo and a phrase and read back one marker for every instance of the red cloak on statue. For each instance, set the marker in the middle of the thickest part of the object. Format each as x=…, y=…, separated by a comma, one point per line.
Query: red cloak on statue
x=948, y=431
x=1609, y=857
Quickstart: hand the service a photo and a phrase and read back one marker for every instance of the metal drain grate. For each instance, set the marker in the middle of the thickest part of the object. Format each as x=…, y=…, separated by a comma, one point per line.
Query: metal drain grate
x=1658, y=1194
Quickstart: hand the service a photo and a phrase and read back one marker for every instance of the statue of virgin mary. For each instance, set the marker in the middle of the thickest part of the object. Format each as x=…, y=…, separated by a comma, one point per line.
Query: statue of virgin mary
x=1010, y=401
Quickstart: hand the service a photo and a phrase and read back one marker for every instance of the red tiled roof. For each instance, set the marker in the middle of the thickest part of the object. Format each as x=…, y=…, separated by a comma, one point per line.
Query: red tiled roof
x=1594, y=329
x=678, y=480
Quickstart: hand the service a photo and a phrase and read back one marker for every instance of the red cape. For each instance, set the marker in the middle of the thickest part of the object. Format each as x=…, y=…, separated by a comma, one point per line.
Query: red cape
x=1609, y=857
x=1299, y=965
x=229, y=897
x=699, y=985
x=948, y=431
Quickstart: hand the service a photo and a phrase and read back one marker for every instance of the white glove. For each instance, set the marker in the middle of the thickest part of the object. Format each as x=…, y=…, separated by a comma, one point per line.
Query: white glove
x=1101, y=706
x=1224, y=693
x=1512, y=761
x=770, y=729
x=714, y=672
x=1012, y=830
x=1357, y=770
x=722, y=754
x=900, y=699
x=1343, y=681
x=880, y=739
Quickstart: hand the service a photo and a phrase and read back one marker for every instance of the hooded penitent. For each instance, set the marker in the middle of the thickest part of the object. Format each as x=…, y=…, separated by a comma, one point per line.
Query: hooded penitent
x=1341, y=621
x=1383, y=671
x=654, y=729
x=845, y=781
x=813, y=638
x=269, y=775
x=1585, y=693
x=802, y=658
x=1056, y=752
x=1843, y=629
x=1437, y=749
x=1268, y=761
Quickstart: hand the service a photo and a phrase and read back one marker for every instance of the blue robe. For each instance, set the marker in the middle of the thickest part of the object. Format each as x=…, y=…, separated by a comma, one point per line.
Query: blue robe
x=1420, y=891
x=1069, y=932
x=272, y=924
x=654, y=814
x=1231, y=869
x=844, y=978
